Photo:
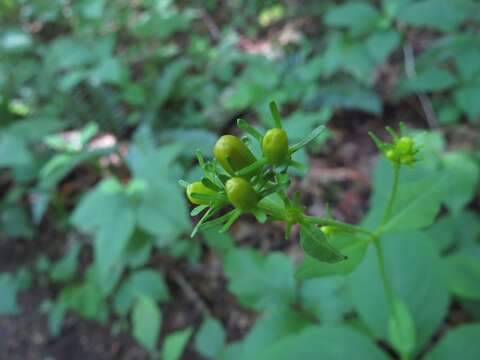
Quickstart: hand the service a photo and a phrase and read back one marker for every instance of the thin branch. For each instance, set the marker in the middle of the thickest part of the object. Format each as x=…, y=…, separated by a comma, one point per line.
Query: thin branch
x=190, y=293
x=211, y=26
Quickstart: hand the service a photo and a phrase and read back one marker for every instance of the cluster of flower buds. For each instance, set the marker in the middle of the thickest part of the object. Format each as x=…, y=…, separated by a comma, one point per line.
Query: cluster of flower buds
x=236, y=178
x=235, y=182
x=402, y=150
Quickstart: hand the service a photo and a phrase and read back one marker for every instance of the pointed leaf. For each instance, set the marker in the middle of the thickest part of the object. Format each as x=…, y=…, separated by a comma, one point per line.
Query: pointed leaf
x=175, y=343
x=315, y=244
x=146, y=321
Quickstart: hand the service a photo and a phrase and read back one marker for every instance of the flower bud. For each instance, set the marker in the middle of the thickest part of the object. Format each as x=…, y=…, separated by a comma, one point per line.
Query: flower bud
x=232, y=154
x=241, y=194
x=198, y=188
x=404, y=145
x=275, y=146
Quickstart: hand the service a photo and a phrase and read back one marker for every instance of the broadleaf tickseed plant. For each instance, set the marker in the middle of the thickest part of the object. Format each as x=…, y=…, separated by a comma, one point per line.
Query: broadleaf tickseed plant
x=236, y=179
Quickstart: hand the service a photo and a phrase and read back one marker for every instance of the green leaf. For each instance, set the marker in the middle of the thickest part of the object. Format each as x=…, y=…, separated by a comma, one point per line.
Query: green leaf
x=459, y=343
x=358, y=16
x=329, y=341
x=18, y=154
x=86, y=299
x=195, y=138
x=401, y=328
x=299, y=123
x=164, y=85
x=315, y=244
x=163, y=211
x=210, y=338
x=344, y=53
x=431, y=79
x=274, y=325
x=112, y=239
x=355, y=59
x=109, y=71
x=14, y=222
x=146, y=322
x=346, y=94
x=56, y=314
x=260, y=281
x=417, y=202
x=145, y=282
x=467, y=231
x=464, y=175
x=15, y=40
x=100, y=205
x=327, y=298
x=146, y=161
x=466, y=98
x=443, y=233
x=467, y=62
x=8, y=289
x=443, y=15
x=151, y=283
x=219, y=242
x=381, y=44
x=64, y=269
x=351, y=246
x=175, y=343
x=463, y=273
x=414, y=269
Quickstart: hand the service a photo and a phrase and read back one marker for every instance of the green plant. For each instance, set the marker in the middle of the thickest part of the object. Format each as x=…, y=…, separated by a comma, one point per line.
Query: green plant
x=74, y=74
x=333, y=247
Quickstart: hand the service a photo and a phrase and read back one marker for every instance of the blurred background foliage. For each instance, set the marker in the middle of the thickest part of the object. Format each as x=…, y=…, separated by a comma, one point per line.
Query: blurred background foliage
x=102, y=105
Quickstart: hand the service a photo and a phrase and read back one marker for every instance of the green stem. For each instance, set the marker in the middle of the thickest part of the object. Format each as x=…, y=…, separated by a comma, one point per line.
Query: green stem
x=393, y=195
x=378, y=245
x=387, y=286
x=383, y=274
x=379, y=251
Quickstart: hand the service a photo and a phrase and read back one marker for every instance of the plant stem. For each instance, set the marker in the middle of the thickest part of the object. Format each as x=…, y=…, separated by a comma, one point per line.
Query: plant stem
x=393, y=195
x=388, y=288
x=383, y=273
x=378, y=245
x=379, y=250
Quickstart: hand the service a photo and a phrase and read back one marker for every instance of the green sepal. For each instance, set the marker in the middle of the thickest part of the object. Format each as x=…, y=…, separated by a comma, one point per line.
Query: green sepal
x=252, y=167
x=304, y=142
x=211, y=211
x=198, y=209
x=212, y=198
x=210, y=184
x=392, y=133
x=200, y=158
x=234, y=215
x=259, y=215
x=245, y=126
x=220, y=220
x=275, y=114
x=297, y=165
